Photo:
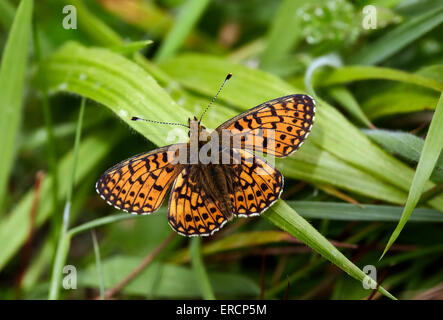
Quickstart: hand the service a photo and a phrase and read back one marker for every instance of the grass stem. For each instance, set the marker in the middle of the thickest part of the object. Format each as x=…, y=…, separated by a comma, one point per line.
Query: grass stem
x=65, y=238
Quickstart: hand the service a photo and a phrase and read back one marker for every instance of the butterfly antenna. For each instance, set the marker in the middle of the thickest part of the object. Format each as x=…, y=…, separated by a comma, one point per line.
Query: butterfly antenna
x=221, y=87
x=159, y=122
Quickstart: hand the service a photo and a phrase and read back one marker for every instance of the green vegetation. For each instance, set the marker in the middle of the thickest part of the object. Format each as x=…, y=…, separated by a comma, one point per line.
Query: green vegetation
x=368, y=182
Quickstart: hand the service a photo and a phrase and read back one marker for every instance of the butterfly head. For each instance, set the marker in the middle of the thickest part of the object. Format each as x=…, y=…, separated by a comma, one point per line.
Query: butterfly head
x=196, y=130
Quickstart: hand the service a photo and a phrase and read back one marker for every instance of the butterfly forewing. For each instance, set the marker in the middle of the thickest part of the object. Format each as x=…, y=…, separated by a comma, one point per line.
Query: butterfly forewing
x=277, y=127
x=139, y=184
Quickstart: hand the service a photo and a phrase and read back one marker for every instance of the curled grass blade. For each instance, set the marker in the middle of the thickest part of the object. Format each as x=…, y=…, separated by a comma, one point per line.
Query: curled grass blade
x=338, y=92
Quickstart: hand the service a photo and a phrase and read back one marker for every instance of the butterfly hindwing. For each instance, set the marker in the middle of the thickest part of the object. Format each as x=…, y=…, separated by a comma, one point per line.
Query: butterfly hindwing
x=256, y=185
x=192, y=211
x=139, y=184
x=277, y=127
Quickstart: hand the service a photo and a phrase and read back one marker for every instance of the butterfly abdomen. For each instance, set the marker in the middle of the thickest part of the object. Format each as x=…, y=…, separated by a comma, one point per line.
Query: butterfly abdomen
x=216, y=184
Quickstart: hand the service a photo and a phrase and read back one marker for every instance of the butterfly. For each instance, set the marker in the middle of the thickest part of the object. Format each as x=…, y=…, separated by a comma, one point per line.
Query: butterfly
x=230, y=181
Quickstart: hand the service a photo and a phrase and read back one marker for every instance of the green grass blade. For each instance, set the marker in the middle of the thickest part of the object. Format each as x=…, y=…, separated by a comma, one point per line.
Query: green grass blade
x=12, y=82
x=78, y=132
x=187, y=19
x=38, y=266
x=347, y=74
x=365, y=212
x=428, y=158
x=287, y=219
x=59, y=262
x=50, y=140
x=102, y=221
x=406, y=145
x=406, y=97
x=282, y=39
x=7, y=12
x=98, y=263
x=397, y=39
x=130, y=48
x=345, y=98
x=129, y=91
x=199, y=269
x=95, y=28
x=316, y=165
x=399, y=100
x=38, y=137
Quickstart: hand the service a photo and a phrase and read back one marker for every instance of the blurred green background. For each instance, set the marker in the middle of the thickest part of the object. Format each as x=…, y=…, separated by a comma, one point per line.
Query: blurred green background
x=67, y=96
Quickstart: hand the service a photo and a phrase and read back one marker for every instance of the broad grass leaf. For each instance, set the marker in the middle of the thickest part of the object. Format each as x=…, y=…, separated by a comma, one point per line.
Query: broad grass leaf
x=12, y=83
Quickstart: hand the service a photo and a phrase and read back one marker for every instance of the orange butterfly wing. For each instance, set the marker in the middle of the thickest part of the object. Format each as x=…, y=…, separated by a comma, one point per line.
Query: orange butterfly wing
x=277, y=127
x=139, y=184
x=192, y=212
x=256, y=185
